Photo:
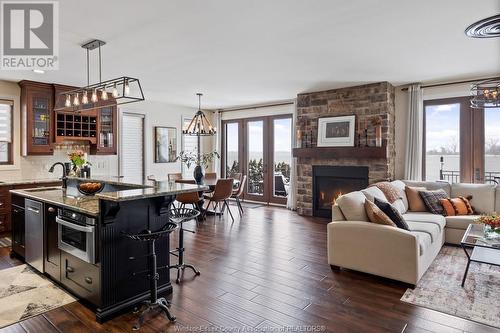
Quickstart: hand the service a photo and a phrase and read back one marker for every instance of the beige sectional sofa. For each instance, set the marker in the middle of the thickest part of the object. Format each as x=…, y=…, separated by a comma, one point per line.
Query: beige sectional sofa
x=394, y=253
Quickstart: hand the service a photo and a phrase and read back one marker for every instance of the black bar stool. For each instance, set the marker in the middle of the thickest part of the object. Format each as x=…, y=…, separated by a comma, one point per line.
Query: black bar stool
x=154, y=302
x=179, y=216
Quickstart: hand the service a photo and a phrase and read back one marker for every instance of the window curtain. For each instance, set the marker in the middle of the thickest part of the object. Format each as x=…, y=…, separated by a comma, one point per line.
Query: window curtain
x=291, y=202
x=218, y=141
x=414, y=133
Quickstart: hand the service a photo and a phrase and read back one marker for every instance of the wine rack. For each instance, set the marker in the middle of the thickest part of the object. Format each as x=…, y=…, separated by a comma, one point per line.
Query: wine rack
x=71, y=126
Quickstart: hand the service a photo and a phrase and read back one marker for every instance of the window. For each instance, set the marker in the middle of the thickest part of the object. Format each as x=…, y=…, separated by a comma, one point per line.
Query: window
x=6, y=132
x=442, y=141
x=461, y=144
x=189, y=143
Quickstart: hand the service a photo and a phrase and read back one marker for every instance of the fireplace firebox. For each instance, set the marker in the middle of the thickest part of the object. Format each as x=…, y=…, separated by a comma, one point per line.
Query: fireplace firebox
x=329, y=182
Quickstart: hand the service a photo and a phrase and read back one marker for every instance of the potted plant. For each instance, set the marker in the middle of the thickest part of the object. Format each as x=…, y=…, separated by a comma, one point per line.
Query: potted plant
x=491, y=225
x=202, y=161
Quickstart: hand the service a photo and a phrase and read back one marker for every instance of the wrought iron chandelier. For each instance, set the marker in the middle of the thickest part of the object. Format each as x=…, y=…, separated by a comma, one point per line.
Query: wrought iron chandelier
x=486, y=94
x=200, y=125
x=118, y=91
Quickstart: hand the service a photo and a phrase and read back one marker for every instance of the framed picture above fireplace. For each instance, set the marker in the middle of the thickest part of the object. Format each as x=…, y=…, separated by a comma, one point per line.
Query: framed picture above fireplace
x=336, y=131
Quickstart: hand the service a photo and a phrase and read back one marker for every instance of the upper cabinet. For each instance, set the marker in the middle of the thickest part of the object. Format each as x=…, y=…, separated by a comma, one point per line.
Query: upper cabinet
x=42, y=126
x=37, y=100
x=106, y=131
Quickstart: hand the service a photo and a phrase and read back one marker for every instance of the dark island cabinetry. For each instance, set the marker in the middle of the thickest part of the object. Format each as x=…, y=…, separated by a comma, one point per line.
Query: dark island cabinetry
x=52, y=254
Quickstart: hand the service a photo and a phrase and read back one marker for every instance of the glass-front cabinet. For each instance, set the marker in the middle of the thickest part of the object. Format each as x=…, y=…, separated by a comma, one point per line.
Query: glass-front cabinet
x=37, y=123
x=106, y=130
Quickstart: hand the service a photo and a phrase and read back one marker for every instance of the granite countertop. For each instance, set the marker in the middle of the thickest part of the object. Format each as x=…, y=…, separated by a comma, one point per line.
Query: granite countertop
x=116, y=181
x=9, y=182
x=58, y=196
x=160, y=188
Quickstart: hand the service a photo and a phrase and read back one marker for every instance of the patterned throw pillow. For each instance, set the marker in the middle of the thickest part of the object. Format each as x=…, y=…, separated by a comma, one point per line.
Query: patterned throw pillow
x=376, y=215
x=456, y=206
x=432, y=200
x=393, y=214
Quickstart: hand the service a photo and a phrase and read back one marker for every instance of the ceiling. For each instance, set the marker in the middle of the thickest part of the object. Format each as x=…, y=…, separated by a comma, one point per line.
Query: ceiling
x=242, y=52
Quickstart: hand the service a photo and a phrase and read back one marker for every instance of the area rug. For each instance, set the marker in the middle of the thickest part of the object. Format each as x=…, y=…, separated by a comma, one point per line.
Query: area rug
x=440, y=288
x=25, y=293
x=5, y=241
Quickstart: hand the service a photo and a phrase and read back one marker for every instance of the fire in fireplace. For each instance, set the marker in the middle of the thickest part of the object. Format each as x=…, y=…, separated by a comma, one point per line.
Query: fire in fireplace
x=330, y=182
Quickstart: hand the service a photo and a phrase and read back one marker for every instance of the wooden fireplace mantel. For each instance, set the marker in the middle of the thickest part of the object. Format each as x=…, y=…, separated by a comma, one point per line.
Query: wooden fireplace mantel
x=341, y=152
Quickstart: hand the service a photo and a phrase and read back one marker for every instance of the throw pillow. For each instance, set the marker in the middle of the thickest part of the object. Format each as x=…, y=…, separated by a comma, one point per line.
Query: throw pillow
x=432, y=200
x=391, y=192
x=456, y=206
x=414, y=199
x=393, y=214
x=376, y=215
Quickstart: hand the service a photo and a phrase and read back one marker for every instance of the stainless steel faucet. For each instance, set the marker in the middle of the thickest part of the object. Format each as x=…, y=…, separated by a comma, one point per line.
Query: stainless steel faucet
x=64, y=177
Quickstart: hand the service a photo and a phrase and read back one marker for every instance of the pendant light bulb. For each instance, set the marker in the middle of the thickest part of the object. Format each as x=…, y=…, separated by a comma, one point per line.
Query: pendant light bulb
x=126, y=88
x=114, y=92
x=94, y=96
x=104, y=94
x=85, y=98
x=76, y=100
x=68, y=101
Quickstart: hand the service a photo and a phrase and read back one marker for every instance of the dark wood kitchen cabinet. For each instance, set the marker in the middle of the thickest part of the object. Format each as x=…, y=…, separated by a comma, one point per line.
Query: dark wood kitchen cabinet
x=106, y=131
x=17, y=216
x=37, y=123
x=52, y=255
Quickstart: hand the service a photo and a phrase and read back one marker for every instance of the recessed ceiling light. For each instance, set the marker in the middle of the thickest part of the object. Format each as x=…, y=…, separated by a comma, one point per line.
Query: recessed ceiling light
x=39, y=71
x=486, y=28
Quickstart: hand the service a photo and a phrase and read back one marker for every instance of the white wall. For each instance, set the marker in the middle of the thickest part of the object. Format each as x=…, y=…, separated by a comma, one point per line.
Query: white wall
x=162, y=114
x=401, y=105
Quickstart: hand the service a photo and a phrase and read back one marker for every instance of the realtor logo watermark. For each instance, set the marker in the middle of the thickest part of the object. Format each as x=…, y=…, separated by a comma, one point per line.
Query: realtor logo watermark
x=30, y=35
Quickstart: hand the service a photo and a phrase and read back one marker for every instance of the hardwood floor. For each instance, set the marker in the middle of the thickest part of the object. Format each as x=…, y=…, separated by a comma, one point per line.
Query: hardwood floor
x=267, y=270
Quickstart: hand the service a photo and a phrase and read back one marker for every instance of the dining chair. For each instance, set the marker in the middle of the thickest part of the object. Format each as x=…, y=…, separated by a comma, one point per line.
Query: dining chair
x=238, y=193
x=192, y=198
x=222, y=192
x=174, y=176
x=237, y=176
x=210, y=175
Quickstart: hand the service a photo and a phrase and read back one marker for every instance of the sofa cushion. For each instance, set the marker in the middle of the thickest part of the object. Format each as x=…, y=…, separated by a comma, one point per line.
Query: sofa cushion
x=432, y=200
x=376, y=215
x=483, y=196
x=373, y=192
x=393, y=213
x=456, y=206
x=414, y=199
x=430, y=228
x=460, y=222
x=401, y=186
x=430, y=185
x=424, y=240
x=436, y=219
x=352, y=206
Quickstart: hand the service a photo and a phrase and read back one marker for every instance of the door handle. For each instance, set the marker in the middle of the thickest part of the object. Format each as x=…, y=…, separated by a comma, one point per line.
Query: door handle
x=51, y=209
x=36, y=211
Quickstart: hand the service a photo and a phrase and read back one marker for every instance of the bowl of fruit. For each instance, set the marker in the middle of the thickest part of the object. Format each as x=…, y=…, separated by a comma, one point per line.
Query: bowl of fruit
x=90, y=188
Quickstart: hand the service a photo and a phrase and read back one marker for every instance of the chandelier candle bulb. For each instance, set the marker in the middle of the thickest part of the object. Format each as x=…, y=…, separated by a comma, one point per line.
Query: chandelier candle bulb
x=114, y=92
x=104, y=94
x=68, y=101
x=76, y=100
x=85, y=98
x=94, y=98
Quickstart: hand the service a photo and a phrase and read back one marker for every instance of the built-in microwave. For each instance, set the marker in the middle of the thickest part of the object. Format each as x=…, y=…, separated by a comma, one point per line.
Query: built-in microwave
x=77, y=234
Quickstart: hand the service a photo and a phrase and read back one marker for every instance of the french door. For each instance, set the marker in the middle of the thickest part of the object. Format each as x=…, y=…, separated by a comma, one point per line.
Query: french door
x=260, y=148
x=461, y=144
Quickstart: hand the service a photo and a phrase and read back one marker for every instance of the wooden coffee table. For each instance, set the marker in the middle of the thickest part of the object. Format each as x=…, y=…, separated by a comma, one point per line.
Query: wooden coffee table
x=479, y=249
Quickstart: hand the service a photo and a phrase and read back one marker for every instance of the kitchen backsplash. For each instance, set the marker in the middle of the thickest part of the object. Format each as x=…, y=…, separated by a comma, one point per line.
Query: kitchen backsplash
x=36, y=167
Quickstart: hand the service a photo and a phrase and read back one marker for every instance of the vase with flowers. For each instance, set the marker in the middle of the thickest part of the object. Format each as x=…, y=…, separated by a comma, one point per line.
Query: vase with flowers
x=201, y=161
x=78, y=159
x=491, y=226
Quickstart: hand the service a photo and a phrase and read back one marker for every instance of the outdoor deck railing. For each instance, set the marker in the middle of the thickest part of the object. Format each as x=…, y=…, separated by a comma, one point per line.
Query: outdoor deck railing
x=453, y=176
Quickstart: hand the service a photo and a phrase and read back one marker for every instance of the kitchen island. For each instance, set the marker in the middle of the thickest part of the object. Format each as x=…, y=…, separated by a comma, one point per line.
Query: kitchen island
x=82, y=238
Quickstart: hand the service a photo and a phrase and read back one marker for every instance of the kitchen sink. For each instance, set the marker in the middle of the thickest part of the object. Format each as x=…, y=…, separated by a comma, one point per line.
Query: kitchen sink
x=43, y=189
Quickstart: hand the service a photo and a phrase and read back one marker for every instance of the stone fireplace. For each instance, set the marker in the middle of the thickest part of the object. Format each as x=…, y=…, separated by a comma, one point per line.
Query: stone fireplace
x=365, y=102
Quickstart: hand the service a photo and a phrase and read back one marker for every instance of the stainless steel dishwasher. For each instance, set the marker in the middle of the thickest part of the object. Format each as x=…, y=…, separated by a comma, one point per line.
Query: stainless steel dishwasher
x=34, y=234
